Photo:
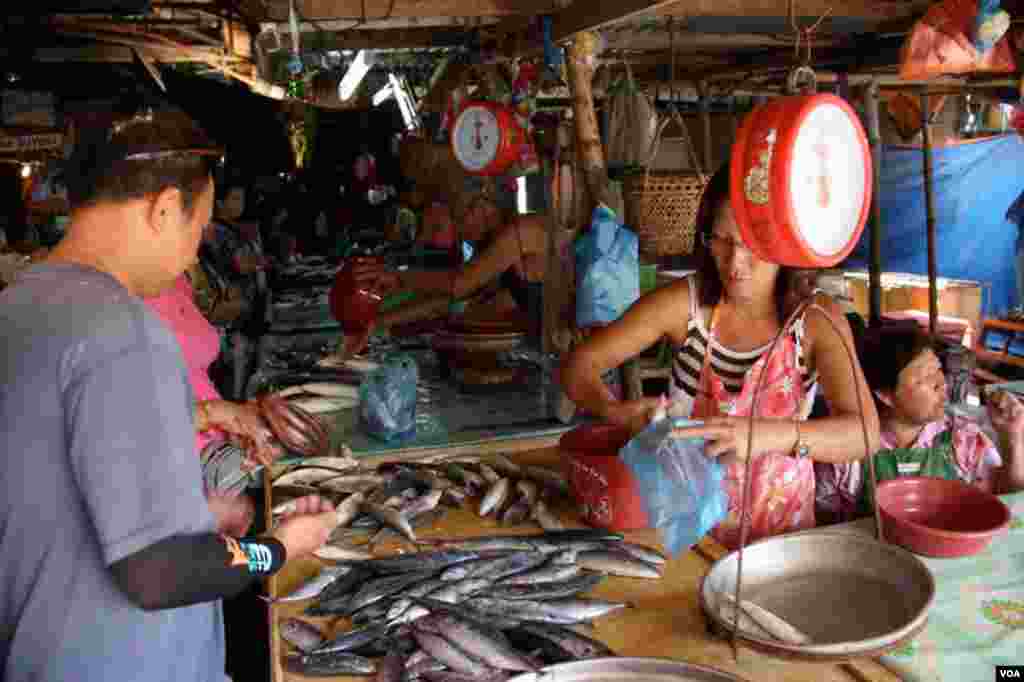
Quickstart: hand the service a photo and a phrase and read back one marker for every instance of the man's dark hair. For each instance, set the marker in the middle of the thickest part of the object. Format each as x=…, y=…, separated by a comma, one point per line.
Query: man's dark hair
x=143, y=156
x=884, y=353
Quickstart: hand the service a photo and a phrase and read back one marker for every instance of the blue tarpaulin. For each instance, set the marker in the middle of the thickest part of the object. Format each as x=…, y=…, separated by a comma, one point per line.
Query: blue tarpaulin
x=974, y=185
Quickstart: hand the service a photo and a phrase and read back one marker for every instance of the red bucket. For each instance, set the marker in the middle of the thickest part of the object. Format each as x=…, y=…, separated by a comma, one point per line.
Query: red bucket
x=603, y=487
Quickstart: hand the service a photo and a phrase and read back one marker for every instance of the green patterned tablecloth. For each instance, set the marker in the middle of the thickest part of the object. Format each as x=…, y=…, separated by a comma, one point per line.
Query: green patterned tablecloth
x=977, y=619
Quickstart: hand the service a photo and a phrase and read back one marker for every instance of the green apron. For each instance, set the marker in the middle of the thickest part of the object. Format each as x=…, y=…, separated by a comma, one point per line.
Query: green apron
x=934, y=462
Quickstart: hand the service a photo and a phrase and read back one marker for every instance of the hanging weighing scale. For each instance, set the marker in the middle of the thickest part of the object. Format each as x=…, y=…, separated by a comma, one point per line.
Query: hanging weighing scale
x=801, y=180
x=486, y=139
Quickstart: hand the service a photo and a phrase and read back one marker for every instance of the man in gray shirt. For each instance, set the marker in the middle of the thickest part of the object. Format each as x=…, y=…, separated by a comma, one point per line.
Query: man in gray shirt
x=110, y=568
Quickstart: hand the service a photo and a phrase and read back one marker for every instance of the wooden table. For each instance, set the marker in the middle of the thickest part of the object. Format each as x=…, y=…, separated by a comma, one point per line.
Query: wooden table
x=665, y=621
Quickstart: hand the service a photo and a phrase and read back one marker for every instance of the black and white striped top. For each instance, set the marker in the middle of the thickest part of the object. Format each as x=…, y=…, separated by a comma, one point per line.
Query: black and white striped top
x=731, y=366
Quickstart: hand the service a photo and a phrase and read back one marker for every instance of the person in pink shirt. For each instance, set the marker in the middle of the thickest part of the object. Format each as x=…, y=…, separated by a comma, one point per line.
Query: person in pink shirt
x=216, y=419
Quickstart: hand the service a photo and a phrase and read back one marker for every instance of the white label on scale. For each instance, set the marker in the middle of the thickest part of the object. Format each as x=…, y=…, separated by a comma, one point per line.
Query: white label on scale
x=476, y=138
x=826, y=179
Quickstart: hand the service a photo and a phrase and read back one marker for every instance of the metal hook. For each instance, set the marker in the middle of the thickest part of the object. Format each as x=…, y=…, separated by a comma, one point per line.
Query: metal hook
x=802, y=79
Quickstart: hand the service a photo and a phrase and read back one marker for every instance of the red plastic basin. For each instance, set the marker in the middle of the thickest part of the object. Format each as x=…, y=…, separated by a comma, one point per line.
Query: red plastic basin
x=940, y=518
x=603, y=487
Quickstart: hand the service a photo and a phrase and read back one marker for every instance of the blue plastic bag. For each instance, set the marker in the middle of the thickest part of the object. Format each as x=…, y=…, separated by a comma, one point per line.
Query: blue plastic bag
x=387, y=399
x=681, y=487
x=607, y=270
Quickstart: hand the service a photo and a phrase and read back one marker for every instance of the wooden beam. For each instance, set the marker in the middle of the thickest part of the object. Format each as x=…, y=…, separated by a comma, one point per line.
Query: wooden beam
x=874, y=9
x=314, y=10
x=100, y=53
x=387, y=39
x=590, y=15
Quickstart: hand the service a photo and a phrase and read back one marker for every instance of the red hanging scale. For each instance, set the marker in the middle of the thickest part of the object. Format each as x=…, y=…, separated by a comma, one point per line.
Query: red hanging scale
x=801, y=179
x=486, y=138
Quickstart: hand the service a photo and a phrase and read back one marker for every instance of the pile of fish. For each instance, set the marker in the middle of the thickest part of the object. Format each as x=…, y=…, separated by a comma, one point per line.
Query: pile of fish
x=376, y=504
x=481, y=608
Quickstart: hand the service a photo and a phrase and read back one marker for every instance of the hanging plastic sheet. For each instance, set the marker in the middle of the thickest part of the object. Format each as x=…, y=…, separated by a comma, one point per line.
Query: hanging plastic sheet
x=975, y=184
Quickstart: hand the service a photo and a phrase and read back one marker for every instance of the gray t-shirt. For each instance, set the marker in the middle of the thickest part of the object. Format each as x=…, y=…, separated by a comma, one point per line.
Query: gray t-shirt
x=99, y=462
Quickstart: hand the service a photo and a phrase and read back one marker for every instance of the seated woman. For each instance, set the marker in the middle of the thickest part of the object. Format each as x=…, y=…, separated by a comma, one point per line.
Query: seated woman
x=918, y=437
x=511, y=253
x=721, y=322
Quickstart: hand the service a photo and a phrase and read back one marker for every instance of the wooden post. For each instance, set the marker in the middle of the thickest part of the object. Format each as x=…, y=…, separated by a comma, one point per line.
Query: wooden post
x=875, y=261
x=705, y=117
x=581, y=65
x=929, y=197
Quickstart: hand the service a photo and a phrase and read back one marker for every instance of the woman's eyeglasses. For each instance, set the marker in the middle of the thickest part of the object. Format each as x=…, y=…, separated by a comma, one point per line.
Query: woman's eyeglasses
x=720, y=243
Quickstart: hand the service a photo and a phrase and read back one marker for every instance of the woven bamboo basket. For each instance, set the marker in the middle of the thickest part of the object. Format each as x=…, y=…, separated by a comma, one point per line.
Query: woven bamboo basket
x=661, y=206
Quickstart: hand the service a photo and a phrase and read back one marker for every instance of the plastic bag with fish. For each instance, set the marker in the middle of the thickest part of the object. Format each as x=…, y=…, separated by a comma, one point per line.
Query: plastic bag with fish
x=387, y=399
x=682, y=489
x=607, y=270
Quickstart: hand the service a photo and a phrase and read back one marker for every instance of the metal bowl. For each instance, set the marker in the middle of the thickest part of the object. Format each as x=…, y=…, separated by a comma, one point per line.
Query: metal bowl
x=631, y=669
x=850, y=594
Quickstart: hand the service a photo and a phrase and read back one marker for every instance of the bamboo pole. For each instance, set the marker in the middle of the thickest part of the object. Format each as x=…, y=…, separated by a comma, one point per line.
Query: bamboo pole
x=875, y=263
x=582, y=64
x=933, y=288
x=705, y=117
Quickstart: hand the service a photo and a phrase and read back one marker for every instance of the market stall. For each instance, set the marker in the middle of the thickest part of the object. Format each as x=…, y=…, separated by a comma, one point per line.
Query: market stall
x=664, y=618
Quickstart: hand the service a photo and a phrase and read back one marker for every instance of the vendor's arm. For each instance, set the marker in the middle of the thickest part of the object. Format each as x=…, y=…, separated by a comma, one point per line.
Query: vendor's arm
x=414, y=311
x=836, y=438
x=498, y=257
x=132, y=455
x=659, y=313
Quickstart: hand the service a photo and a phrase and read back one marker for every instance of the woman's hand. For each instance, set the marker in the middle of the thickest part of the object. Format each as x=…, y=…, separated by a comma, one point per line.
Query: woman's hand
x=634, y=415
x=1007, y=414
x=246, y=424
x=728, y=436
x=306, y=528
x=370, y=273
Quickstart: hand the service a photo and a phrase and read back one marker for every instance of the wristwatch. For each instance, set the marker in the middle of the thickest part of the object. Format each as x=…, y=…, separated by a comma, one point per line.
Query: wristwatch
x=801, y=449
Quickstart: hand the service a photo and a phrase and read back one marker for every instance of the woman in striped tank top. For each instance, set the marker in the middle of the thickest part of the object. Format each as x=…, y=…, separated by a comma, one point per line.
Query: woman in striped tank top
x=735, y=306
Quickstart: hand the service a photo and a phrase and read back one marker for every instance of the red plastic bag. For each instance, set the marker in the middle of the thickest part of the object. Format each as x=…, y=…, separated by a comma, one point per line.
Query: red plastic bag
x=940, y=43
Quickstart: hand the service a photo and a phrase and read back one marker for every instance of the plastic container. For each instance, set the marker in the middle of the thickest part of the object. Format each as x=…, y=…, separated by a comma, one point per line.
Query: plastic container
x=940, y=518
x=353, y=306
x=602, y=485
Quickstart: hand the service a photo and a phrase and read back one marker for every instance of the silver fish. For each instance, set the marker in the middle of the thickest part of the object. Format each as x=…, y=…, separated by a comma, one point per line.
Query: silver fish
x=446, y=652
x=454, y=592
x=390, y=517
x=304, y=636
x=425, y=519
x=545, y=518
x=577, y=645
x=355, y=483
x=489, y=474
x=491, y=649
x=353, y=639
x=421, y=561
x=495, y=496
x=338, y=663
x=529, y=491
x=615, y=563
x=341, y=553
x=495, y=568
x=474, y=482
x=516, y=513
x=347, y=511
x=487, y=619
x=315, y=585
x=386, y=586
x=549, y=573
x=452, y=676
x=307, y=476
x=551, y=590
x=506, y=467
x=648, y=554
x=558, y=611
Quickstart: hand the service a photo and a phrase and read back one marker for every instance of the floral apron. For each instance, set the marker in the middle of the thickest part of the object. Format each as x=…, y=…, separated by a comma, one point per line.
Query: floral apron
x=782, y=490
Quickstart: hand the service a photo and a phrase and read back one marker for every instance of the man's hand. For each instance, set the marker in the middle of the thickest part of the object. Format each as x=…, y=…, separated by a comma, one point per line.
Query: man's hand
x=306, y=529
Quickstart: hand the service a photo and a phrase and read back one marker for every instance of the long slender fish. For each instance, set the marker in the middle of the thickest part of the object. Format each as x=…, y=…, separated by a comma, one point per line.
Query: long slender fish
x=446, y=652
x=556, y=590
x=495, y=497
x=304, y=636
x=338, y=663
x=496, y=568
x=353, y=639
x=390, y=517
x=648, y=554
x=340, y=553
x=421, y=561
x=549, y=573
x=385, y=587
x=317, y=584
x=489, y=647
x=617, y=563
